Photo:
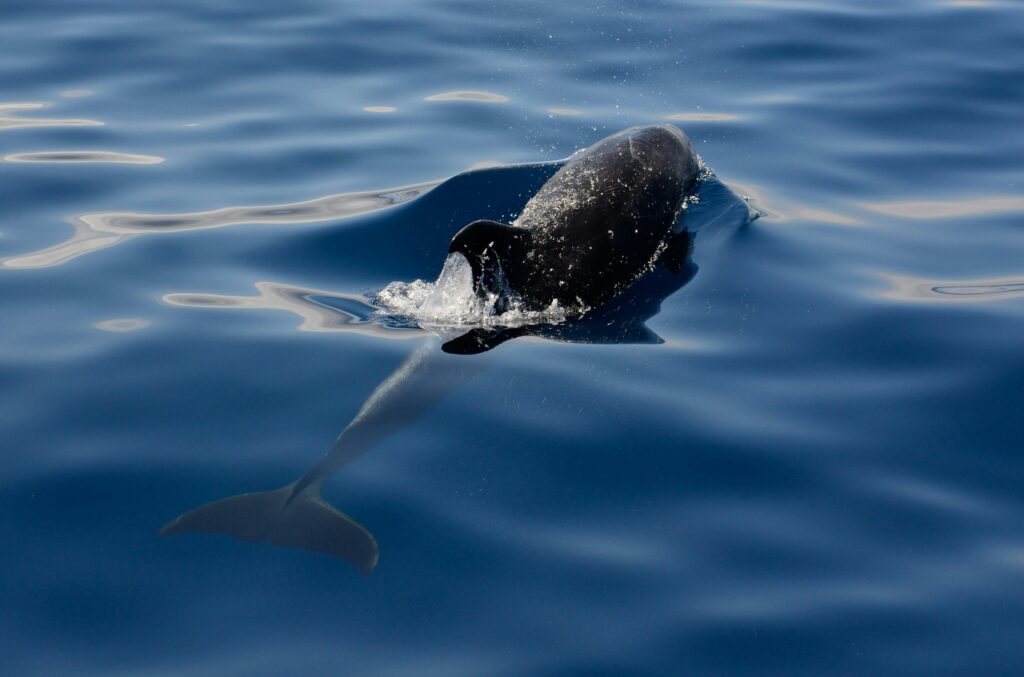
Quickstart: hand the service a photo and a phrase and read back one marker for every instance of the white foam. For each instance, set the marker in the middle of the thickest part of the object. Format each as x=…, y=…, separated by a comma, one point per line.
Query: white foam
x=451, y=302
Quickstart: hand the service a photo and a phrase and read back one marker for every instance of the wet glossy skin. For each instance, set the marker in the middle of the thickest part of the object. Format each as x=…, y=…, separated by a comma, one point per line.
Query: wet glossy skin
x=594, y=227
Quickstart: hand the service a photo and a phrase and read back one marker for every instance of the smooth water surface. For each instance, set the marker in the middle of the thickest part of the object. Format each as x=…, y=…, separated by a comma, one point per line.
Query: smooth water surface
x=800, y=457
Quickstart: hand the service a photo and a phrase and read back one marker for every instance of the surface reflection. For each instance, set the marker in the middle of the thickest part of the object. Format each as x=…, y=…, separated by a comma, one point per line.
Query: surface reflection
x=468, y=95
x=9, y=121
x=75, y=156
x=106, y=229
x=702, y=117
x=122, y=324
x=969, y=4
x=780, y=209
x=918, y=289
x=948, y=209
x=320, y=310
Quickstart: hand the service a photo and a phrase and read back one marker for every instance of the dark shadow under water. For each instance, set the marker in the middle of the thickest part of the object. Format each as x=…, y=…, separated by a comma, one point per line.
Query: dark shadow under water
x=296, y=515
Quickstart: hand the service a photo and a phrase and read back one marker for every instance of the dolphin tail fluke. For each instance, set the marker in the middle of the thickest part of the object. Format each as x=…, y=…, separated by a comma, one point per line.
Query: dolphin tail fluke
x=302, y=520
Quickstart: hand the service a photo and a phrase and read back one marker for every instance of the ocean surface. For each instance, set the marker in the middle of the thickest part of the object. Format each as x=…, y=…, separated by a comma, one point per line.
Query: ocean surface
x=801, y=455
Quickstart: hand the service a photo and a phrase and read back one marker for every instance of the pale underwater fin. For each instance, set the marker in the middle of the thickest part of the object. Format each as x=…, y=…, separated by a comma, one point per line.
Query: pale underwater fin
x=304, y=521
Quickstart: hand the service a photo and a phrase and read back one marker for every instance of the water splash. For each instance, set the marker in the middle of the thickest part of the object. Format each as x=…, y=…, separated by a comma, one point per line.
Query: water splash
x=451, y=302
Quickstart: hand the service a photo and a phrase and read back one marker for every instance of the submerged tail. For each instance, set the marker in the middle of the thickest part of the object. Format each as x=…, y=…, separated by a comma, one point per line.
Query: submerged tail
x=293, y=520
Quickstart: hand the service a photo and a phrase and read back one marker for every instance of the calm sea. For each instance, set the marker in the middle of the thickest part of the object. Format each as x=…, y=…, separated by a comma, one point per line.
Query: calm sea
x=801, y=457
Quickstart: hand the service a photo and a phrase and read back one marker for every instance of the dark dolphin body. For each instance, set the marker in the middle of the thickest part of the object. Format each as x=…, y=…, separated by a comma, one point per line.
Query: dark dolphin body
x=595, y=227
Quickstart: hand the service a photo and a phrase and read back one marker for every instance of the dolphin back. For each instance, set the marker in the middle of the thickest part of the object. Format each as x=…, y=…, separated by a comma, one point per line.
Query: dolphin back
x=593, y=228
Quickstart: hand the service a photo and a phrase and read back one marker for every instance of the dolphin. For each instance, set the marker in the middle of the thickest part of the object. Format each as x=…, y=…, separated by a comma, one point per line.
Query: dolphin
x=600, y=223
x=592, y=229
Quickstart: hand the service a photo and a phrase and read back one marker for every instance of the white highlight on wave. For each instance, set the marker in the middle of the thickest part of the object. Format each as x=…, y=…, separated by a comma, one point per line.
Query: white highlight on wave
x=106, y=229
x=451, y=302
x=84, y=156
x=9, y=121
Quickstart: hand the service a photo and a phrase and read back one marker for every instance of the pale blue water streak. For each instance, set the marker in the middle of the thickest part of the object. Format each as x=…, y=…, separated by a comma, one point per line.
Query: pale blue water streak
x=818, y=472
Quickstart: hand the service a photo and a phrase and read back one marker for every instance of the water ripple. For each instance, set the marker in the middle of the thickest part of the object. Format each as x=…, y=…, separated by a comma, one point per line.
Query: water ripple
x=818, y=473
x=83, y=156
x=122, y=324
x=319, y=309
x=8, y=121
x=703, y=117
x=919, y=289
x=781, y=209
x=106, y=229
x=948, y=209
x=468, y=95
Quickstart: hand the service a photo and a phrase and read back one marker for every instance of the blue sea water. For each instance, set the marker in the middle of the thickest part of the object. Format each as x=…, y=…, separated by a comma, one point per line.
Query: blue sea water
x=817, y=471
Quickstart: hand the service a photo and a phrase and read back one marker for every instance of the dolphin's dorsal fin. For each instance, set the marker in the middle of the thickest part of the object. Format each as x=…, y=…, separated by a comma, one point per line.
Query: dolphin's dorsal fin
x=485, y=243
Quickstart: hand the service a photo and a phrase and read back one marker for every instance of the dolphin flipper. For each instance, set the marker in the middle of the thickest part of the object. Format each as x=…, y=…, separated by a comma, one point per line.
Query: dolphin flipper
x=482, y=339
x=282, y=517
